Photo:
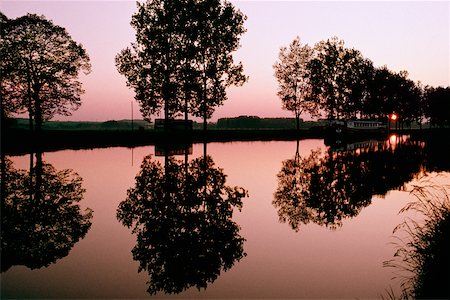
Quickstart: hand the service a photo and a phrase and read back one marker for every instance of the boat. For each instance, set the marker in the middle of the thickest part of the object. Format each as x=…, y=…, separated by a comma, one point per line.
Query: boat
x=356, y=126
x=365, y=125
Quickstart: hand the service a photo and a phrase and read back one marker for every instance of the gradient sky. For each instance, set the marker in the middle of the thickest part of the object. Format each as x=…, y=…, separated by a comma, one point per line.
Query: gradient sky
x=405, y=35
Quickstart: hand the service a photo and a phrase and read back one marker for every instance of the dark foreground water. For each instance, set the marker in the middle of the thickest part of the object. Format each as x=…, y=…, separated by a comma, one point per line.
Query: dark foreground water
x=315, y=221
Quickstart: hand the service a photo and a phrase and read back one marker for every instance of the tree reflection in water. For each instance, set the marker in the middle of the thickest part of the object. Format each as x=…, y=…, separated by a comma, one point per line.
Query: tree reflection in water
x=41, y=220
x=182, y=215
x=325, y=189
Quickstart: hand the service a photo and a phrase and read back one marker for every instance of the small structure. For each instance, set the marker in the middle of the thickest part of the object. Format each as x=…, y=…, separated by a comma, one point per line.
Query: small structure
x=173, y=125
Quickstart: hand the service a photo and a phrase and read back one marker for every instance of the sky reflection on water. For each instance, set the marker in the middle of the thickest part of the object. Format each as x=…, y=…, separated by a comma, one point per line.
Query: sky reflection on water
x=281, y=262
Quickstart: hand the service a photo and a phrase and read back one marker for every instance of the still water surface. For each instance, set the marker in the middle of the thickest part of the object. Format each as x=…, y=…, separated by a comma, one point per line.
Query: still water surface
x=316, y=223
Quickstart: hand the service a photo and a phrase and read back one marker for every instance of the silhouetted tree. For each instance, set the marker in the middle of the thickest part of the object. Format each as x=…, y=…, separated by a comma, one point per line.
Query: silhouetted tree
x=217, y=30
x=437, y=102
x=181, y=214
x=407, y=100
x=389, y=92
x=152, y=65
x=382, y=96
x=182, y=56
x=294, y=87
x=41, y=220
x=39, y=68
x=339, y=78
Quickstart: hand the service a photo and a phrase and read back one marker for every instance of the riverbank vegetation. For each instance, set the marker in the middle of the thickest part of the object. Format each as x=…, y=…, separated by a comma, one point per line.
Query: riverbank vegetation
x=421, y=261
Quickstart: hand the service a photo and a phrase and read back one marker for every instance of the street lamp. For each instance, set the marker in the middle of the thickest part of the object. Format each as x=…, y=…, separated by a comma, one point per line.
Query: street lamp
x=393, y=117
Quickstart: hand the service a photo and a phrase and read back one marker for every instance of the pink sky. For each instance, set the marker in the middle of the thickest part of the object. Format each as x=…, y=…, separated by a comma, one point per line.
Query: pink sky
x=406, y=35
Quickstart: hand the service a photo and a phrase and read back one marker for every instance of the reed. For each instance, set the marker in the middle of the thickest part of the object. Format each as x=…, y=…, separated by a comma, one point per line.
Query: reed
x=421, y=260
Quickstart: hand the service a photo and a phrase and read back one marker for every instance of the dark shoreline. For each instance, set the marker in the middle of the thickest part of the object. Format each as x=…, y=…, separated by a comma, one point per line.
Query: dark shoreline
x=16, y=142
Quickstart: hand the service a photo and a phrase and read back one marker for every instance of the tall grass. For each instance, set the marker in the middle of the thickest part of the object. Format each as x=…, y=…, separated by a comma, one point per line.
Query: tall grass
x=421, y=260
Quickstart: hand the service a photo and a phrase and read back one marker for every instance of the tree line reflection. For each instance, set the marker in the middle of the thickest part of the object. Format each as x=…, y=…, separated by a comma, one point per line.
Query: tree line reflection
x=41, y=218
x=326, y=188
x=181, y=213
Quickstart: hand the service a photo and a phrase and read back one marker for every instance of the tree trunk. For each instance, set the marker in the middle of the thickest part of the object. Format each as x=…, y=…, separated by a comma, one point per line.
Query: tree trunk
x=3, y=178
x=31, y=176
x=30, y=104
x=205, y=176
x=186, y=112
x=39, y=174
x=38, y=122
x=205, y=124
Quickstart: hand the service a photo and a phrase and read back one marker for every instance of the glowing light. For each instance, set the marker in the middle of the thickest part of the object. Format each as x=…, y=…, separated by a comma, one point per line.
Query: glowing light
x=394, y=117
x=393, y=139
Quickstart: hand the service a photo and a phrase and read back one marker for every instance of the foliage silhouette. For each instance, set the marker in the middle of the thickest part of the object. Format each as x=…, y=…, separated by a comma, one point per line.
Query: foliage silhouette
x=183, y=56
x=421, y=260
x=339, y=82
x=339, y=77
x=39, y=69
x=294, y=87
x=325, y=189
x=181, y=214
x=219, y=26
x=41, y=220
x=437, y=108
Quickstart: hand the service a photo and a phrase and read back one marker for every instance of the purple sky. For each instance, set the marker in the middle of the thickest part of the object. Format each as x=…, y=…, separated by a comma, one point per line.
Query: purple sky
x=406, y=35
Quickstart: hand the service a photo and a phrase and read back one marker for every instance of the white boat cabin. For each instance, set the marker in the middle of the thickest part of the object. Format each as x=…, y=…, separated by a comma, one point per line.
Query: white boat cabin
x=365, y=125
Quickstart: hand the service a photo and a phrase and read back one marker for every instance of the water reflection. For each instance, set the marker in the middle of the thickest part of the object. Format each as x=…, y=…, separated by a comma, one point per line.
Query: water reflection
x=41, y=220
x=171, y=149
x=181, y=213
x=325, y=188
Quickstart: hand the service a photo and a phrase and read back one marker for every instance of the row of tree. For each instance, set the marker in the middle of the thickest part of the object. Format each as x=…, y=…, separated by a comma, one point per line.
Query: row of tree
x=341, y=83
x=181, y=61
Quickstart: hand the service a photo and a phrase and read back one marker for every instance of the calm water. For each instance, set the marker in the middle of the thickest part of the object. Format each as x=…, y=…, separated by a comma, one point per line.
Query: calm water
x=317, y=222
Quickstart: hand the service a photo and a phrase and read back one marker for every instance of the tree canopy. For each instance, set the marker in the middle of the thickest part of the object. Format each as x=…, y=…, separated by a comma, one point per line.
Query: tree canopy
x=341, y=83
x=217, y=35
x=437, y=107
x=39, y=68
x=182, y=58
x=338, y=76
x=291, y=72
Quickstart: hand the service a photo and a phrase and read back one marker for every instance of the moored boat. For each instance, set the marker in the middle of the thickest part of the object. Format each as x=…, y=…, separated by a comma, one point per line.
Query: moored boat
x=356, y=126
x=365, y=125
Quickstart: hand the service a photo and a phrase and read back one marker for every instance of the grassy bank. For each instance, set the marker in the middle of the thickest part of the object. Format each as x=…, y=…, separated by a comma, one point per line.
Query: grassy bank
x=18, y=139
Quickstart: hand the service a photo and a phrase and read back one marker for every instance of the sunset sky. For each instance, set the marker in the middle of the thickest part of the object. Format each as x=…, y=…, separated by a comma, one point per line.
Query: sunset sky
x=406, y=35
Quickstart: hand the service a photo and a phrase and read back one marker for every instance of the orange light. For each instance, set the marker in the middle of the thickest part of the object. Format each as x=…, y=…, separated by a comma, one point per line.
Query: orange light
x=393, y=139
x=393, y=117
